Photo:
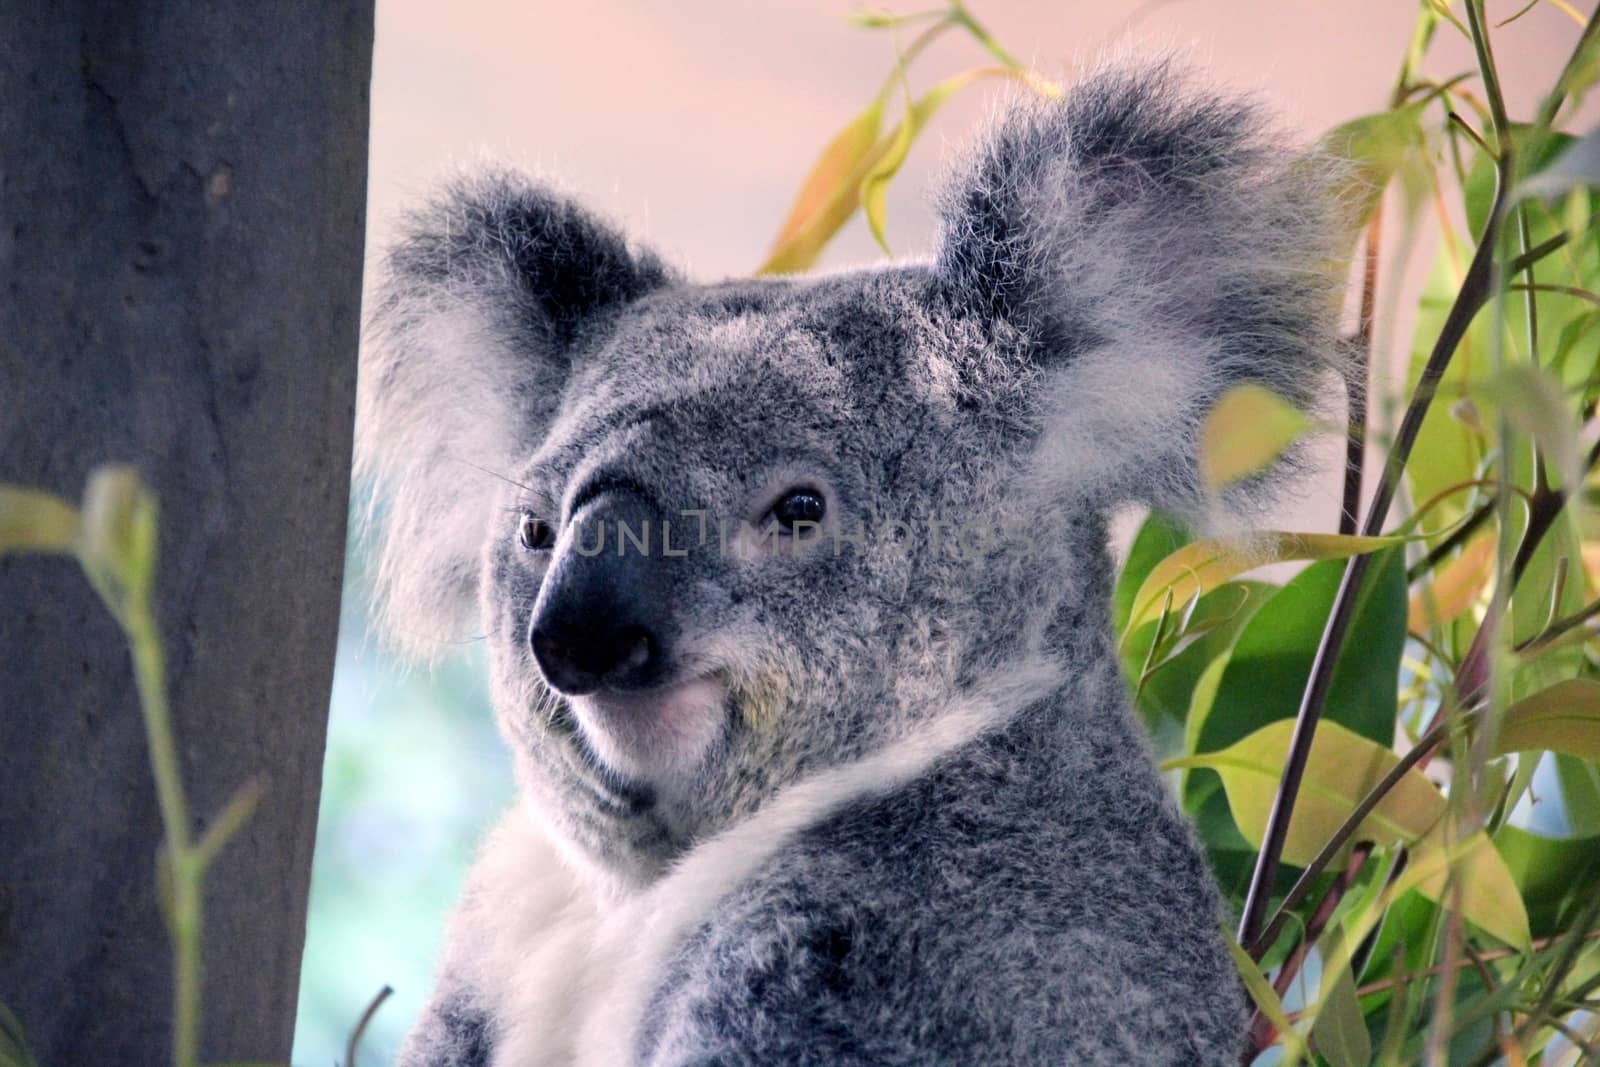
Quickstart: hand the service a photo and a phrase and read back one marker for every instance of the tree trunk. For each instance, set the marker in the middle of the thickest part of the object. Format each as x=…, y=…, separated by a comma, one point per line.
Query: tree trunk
x=182, y=200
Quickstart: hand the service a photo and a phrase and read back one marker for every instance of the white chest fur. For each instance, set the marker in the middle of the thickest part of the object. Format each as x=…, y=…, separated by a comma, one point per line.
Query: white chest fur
x=567, y=967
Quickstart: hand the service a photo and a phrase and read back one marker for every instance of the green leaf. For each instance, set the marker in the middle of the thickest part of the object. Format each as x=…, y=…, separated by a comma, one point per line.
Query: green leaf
x=1381, y=147
x=1553, y=874
x=1535, y=402
x=1159, y=536
x=1265, y=997
x=1201, y=566
x=1564, y=718
x=1269, y=665
x=32, y=520
x=1404, y=927
x=1340, y=1032
x=1166, y=687
x=1580, y=793
x=1449, y=449
x=1245, y=433
x=1576, y=167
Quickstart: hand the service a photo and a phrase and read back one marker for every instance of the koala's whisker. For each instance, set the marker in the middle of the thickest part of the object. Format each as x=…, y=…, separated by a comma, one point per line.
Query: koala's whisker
x=490, y=473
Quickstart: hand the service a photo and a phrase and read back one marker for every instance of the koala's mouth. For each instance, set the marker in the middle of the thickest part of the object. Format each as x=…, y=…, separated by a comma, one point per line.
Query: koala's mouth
x=654, y=735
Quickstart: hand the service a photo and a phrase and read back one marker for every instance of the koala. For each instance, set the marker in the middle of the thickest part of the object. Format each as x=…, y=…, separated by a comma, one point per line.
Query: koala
x=796, y=598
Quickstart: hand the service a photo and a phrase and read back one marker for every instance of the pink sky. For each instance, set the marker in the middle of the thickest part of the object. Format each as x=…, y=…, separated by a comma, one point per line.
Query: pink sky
x=692, y=122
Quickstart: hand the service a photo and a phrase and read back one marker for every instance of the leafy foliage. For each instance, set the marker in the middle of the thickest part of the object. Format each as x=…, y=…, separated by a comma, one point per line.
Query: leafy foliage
x=114, y=540
x=1422, y=701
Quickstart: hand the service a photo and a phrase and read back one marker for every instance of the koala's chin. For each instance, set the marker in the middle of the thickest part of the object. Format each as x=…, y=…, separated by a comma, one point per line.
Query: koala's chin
x=657, y=737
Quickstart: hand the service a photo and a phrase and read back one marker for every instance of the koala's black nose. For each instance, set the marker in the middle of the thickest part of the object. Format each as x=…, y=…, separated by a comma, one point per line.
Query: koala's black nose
x=601, y=617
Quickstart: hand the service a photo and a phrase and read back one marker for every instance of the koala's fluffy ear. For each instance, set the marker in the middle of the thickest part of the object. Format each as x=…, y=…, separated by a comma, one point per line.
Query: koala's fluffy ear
x=466, y=353
x=1152, y=247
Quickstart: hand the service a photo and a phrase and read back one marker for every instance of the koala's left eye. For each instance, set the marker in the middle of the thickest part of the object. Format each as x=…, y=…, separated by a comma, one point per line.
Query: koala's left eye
x=535, y=533
x=798, y=506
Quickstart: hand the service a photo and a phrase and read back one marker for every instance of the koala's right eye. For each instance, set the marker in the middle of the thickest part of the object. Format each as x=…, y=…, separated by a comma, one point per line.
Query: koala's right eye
x=535, y=533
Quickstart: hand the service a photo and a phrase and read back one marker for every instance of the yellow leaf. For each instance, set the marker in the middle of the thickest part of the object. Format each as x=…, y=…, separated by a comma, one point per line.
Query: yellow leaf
x=1564, y=718
x=831, y=193
x=1201, y=566
x=118, y=547
x=835, y=169
x=1342, y=769
x=32, y=520
x=1247, y=430
x=1590, y=554
x=1470, y=874
x=1264, y=996
x=875, y=185
x=1455, y=586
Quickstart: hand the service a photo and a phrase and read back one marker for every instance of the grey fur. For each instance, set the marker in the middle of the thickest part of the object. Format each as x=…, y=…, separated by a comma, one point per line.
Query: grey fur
x=1108, y=266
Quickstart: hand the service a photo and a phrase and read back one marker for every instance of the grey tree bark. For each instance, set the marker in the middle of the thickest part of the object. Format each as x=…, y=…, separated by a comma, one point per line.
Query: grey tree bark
x=182, y=201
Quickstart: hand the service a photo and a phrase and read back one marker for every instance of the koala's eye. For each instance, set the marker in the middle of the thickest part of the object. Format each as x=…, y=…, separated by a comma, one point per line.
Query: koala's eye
x=797, y=506
x=535, y=533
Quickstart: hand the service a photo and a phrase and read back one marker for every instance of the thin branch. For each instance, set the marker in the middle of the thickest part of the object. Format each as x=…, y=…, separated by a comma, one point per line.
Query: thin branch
x=1564, y=290
x=1476, y=961
x=1537, y=252
x=1474, y=293
x=1384, y=985
x=1355, y=441
x=1559, y=627
x=1574, y=942
x=354, y=1043
x=1262, y=1031
x=1473, y=135
x=1465, y=529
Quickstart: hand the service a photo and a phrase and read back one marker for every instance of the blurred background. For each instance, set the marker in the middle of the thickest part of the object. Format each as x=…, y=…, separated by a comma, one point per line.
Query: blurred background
x=691, y=123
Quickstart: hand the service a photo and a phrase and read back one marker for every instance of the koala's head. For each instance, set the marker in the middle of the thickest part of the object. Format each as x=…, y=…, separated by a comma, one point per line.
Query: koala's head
x=716, y=535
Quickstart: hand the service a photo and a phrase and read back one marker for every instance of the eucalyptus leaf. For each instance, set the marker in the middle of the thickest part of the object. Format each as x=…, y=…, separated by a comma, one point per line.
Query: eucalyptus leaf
x=1553, y=874
x=1268, y=666
x=1245, y=433
x=886, y=164
x=1576, y=167
x=1454, y=586
x=1158, y=537
x=32, y=520
x=1340, y=1032
x=1201, y=566
x=1343, y=767
x=1381, y=147
x=1564, y=718
x=1264, y=996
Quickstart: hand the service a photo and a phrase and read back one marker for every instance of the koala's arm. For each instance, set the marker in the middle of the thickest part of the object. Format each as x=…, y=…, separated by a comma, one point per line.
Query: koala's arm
x=1020, y=917
x=520, y=921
